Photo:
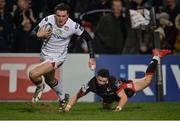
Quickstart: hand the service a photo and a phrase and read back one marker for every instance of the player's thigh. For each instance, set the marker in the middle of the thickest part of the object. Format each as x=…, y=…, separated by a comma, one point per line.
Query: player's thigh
x=42, y=69
x=141, y=83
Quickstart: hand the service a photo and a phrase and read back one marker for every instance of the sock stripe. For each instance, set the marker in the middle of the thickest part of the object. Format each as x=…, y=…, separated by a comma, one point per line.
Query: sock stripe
x=55, y=84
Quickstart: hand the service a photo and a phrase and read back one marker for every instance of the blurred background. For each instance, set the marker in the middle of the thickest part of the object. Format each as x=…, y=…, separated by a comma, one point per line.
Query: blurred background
x=18, y=17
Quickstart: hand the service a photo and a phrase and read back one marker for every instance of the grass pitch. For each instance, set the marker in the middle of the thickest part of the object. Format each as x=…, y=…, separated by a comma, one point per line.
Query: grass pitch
x=89, y=111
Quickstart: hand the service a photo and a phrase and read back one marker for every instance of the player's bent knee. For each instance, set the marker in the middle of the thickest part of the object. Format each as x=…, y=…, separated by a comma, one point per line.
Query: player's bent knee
x=33, y=75
x=148, y=79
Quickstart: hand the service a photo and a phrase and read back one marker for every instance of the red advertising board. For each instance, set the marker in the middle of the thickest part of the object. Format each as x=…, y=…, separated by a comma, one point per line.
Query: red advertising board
x=14, y=81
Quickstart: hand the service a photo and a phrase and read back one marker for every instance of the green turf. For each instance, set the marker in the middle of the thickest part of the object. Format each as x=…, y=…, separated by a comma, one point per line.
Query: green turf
x=90, y=111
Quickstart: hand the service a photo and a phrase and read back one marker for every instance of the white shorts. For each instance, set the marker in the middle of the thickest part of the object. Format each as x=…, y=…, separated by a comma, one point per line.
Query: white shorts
x=56, y=61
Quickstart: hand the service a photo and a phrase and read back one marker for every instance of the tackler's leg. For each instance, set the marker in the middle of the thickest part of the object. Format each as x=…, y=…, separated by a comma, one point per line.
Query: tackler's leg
x=140, y=84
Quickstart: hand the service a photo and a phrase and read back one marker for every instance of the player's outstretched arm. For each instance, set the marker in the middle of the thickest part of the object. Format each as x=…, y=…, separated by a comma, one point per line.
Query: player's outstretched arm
x=71, y=103
x=92, y=63
x=123, y=100
x=73, y=100
x=89, y=40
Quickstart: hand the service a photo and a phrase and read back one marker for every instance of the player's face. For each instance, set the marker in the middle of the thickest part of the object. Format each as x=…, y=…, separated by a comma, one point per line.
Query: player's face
x=61, y=17
x=101, y=80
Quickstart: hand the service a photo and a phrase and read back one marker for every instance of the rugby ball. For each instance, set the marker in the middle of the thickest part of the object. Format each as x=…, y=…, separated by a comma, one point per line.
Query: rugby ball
x=47, y=26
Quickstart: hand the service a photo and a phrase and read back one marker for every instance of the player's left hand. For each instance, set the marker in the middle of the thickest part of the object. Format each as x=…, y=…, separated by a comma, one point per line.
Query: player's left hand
x=67, y=108
x=117, y=109
x=92, y=63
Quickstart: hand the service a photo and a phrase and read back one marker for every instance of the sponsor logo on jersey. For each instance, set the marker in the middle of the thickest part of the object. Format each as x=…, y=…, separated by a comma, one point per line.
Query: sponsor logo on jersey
x=58, y=32
x=58, y=36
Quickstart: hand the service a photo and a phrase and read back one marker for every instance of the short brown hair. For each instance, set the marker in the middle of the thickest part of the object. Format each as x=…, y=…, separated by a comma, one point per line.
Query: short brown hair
x=62, y=7
x=103, y=72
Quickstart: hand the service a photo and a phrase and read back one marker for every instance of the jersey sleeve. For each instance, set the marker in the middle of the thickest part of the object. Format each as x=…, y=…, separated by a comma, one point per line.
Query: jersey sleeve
x=43, y=21
x=118, y=86
x=83, y=91
x=127, y=86
x=78, y=29
x=85, y=88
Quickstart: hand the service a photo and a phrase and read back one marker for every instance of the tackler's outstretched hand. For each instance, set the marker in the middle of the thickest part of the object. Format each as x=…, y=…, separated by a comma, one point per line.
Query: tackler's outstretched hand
x=92, y=63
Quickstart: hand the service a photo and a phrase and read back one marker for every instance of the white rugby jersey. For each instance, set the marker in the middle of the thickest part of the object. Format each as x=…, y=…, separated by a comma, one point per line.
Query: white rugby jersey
x=55, y=47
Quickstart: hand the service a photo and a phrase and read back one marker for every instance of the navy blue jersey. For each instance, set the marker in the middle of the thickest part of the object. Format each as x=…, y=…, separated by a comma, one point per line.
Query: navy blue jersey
x=110, y=90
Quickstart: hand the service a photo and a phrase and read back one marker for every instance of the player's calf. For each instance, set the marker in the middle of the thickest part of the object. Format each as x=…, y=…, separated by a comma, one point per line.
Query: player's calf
x=38, y=92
